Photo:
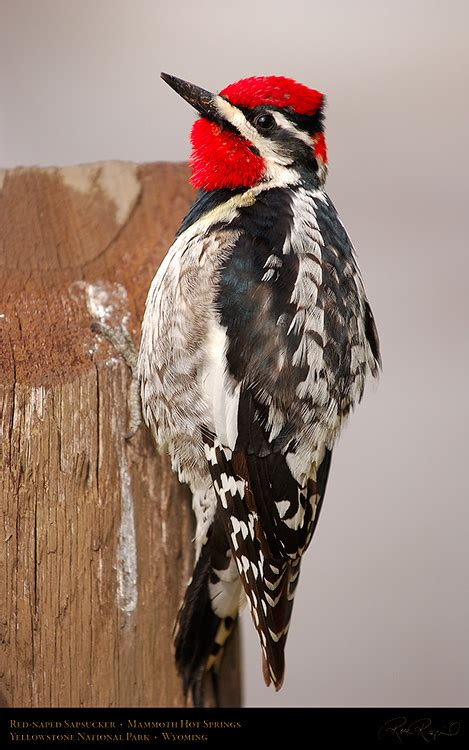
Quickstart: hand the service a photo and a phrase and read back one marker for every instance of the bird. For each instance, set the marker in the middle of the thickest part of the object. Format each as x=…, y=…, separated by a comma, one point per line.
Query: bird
x=257, y=340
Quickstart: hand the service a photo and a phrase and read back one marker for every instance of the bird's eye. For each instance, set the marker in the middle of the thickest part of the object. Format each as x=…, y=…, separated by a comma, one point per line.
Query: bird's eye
x=264, y=122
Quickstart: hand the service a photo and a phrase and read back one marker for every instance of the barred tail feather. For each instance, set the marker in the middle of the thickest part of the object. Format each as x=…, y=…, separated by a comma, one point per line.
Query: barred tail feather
x=269, y=520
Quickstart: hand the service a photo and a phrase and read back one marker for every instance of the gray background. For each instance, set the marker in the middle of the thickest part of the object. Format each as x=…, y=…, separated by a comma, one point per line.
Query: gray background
x=381, y=615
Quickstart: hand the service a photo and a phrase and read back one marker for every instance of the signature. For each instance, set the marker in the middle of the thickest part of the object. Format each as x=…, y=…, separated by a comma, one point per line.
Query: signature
x=400, y=727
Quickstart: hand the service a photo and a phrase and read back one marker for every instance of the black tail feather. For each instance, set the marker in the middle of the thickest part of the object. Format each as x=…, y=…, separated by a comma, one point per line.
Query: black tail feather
x=196, y=629
x=200, y=633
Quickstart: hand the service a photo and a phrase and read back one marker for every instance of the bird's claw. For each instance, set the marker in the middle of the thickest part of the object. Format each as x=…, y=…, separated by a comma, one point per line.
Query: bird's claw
x=123, y=343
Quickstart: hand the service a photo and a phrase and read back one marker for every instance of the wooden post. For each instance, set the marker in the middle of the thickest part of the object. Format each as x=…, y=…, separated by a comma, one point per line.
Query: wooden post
x=95, y=530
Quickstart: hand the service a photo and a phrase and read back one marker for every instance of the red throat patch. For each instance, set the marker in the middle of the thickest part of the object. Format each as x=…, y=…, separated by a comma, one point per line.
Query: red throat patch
x=221, y=158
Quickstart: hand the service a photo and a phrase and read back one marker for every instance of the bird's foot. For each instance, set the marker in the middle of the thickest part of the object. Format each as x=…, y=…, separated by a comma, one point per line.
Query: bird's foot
x=123, y=343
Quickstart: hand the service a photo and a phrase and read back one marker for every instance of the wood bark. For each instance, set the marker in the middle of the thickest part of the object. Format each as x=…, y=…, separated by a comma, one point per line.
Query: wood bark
x=95, y=530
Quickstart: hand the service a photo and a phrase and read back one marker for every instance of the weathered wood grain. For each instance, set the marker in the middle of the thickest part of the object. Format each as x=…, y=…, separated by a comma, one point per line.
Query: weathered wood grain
x=95, y=531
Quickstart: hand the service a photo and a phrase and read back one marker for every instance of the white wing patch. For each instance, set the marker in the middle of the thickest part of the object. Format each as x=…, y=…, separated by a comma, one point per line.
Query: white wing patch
x=220, y=395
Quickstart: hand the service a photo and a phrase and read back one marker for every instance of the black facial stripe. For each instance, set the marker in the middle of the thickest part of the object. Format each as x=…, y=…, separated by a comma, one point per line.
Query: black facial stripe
x=290, y=143
x=253, y=148
x=300, y=153
x=308, y=123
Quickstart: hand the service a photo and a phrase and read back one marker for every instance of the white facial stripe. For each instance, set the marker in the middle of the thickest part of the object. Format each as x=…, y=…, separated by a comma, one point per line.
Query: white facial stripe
x=266, y=148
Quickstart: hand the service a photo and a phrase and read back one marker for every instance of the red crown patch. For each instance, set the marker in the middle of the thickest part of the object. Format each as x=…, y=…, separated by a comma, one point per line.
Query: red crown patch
x=276, y=91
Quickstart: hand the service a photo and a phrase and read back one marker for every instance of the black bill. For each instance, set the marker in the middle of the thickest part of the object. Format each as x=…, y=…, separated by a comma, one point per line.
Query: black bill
x=203, y=101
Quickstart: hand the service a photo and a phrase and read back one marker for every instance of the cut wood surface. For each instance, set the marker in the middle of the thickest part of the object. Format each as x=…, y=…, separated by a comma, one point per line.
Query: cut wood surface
x=95, y=529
